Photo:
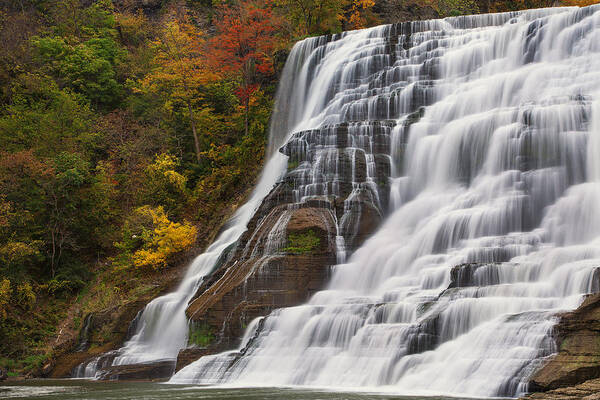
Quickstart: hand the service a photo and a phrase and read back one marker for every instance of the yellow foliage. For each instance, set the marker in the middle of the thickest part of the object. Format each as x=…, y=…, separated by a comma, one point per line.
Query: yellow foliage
x=165, y=240
x=180, y=64
x=25, y=295
x=5, y=293
x=579, y=3
x=164, y=168
x=133, y=28
x=358, y=15
x=15, y=252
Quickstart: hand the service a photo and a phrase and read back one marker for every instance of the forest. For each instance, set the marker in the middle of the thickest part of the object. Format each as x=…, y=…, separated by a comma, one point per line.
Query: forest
x=129, y=131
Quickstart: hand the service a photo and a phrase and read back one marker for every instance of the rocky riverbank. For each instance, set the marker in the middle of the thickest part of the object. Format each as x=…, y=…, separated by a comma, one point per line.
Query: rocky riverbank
x=574, y=372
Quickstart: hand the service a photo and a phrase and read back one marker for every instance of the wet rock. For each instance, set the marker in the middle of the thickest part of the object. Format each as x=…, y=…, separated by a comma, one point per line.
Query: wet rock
x=332, y=198
x=258, y=279
x=578, y=360
x=474, y=274
x=589, y=390
x=189, y=355
x=152, y=371
x=91, y=344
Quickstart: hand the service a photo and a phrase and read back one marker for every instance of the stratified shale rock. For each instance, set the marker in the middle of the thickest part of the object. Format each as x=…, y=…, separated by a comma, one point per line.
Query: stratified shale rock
x=114, y=322
x=152, y=371
x=589, y=390
x=578, y=360
x=261, y=279
x=331, y=199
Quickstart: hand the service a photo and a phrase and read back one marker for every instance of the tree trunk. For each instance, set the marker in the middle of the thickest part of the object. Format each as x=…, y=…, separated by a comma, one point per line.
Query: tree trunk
x=246, y=116
x=196, y=141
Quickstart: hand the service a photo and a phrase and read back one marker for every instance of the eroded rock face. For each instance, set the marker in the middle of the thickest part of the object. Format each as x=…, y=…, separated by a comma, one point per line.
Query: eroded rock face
x=589, y=390
x=90, y=344
x=150, y=372
x=578, y=360
x=332, y=198
x=264, y=275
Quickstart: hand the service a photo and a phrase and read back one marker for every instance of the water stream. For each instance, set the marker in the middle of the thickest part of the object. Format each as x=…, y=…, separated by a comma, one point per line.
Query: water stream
x=494, y=220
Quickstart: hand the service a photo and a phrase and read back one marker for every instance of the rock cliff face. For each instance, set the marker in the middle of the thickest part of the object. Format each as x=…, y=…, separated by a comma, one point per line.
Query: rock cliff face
x=114, y=323
x=104, y=331
x=327, y=204
x=589, y=390
x=574, y=372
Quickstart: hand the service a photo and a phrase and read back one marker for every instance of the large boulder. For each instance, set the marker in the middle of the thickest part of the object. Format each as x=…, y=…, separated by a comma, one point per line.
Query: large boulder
x=265, y=274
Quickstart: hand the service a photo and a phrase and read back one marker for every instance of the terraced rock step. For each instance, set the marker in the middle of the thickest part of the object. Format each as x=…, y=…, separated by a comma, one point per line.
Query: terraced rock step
x=161, y=370
x=577, y=364
x=589, y=390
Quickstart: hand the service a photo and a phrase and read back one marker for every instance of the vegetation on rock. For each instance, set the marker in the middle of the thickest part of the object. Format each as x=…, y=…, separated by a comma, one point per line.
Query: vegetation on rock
x=302, y=242
x=200, y=335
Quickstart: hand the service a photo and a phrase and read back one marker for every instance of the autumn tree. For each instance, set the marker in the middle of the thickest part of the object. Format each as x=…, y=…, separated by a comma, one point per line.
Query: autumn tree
x=180, y=70
x=151, y=239
x=243, y=47
x=64, y=207
x=310, y=17
x=361, y=14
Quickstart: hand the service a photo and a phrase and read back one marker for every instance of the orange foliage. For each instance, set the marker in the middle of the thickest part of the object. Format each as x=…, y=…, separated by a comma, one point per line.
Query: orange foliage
x=357, y=19
x=579, y=3
x=180, y=68
x=244, y=44
x=180, y=65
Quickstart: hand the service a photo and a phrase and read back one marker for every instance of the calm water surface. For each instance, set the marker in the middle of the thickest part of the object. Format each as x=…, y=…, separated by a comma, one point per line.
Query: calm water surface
x=90, y=390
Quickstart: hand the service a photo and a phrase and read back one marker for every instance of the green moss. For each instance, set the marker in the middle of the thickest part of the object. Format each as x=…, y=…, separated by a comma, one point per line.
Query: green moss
x=292, y=164
x=200, y=335
x=302, y=242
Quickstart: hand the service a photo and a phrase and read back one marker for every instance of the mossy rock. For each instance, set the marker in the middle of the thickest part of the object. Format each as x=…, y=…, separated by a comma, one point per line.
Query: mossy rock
x=200, y=335
x=302, y=242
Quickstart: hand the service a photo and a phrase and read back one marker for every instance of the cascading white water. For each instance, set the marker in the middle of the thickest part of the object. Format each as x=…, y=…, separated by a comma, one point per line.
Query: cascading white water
x=162, y=328
x=494, y=224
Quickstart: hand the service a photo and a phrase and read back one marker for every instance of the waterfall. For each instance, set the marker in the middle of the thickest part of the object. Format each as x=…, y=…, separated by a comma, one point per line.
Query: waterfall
x=493, y=223
x=162, y=328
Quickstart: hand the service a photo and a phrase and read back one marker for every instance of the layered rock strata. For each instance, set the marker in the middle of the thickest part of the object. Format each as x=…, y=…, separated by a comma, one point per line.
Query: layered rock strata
x=574, y=372
x=332, y=197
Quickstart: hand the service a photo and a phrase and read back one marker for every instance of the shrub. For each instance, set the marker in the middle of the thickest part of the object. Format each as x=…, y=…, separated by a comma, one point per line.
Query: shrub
x=166, y=239
x=200, y=335
x=302, y=242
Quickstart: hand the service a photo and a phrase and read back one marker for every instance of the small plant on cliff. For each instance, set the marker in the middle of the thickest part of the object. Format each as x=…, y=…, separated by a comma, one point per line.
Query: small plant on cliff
x=200, y=335
x=302, y=242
